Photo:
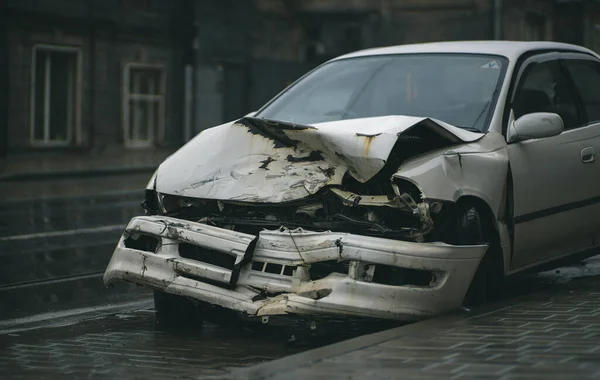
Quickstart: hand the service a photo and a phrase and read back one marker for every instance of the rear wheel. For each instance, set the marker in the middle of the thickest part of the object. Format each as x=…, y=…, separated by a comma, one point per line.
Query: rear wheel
x=470, y=229
x=176, y=311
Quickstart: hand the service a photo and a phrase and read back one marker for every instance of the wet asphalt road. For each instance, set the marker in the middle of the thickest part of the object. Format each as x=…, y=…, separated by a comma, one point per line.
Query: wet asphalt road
x=127, y=343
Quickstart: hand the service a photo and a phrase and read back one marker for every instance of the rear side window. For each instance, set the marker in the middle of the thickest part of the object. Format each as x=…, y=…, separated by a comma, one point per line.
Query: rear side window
x=586, y=75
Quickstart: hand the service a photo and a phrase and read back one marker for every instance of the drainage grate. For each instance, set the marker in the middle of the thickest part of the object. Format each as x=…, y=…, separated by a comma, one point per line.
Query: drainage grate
x=286, y=270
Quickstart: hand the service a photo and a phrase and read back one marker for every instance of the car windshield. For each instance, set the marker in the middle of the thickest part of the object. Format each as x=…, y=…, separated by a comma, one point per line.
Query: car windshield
x=459, y=89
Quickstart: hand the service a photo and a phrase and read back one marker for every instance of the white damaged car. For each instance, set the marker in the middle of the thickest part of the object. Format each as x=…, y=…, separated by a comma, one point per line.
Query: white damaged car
x=394, y=183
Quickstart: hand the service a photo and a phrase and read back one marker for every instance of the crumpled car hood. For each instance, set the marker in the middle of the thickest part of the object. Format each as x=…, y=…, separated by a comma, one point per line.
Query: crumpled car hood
x=266, y=161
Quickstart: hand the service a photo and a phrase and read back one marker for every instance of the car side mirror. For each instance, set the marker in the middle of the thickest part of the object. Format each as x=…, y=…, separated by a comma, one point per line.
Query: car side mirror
x=535, y=126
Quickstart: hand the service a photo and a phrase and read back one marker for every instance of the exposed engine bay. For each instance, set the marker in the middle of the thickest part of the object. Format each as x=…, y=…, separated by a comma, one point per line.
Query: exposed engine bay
x=383, y=206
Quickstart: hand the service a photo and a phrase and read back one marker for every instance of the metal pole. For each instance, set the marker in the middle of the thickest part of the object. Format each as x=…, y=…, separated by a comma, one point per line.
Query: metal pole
x=91, y=90
x=188, y=96
x=4, y=81
x=497, y=19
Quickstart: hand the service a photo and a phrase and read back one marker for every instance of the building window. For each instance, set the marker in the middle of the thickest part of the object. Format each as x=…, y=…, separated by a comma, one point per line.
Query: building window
x=55, y=96
x=143, y=104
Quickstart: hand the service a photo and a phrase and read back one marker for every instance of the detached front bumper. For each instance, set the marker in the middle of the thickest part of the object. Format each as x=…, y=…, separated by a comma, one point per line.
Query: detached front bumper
x=294, y=271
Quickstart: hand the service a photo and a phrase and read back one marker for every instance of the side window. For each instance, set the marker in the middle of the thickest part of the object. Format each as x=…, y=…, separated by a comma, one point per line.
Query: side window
x=545, y=88
x=586, y=75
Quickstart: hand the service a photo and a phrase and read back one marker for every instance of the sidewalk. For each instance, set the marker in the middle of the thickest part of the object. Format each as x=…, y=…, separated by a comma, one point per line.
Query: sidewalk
x=46, y=165
x=553, y=334
x=61, y=216
x=75, y=174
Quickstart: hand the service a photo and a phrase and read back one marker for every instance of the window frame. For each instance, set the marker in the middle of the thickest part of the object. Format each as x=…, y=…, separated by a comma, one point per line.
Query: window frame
x=74, y=129
x=126, y=96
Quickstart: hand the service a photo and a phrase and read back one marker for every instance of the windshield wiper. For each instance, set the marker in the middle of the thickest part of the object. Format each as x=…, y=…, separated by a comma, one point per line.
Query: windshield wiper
x=485, y=107
x=470, y=129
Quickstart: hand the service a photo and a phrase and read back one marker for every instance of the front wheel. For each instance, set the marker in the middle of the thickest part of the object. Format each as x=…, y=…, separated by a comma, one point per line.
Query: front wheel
x=487, y=282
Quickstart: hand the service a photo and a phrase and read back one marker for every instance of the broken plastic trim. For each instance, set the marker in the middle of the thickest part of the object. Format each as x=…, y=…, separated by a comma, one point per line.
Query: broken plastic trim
x=398, y=276
x=150, y=204
x=142, y=242
x=355, y=200
x=273, y=268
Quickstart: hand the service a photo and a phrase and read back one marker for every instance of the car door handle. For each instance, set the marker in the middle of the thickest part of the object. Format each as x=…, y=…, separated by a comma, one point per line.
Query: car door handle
x=588, y=155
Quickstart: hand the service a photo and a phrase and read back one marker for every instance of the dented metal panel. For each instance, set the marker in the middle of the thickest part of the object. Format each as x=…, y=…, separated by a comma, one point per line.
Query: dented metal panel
x=256, y=160
x=478, y=169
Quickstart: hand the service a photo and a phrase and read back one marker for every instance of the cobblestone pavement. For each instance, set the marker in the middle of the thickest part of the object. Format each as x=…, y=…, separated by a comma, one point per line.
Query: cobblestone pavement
x=128, y=345
x=552, y=334
x=552, y=331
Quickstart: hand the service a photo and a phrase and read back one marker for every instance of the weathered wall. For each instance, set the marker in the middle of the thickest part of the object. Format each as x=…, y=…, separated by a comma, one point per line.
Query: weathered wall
x=521, y=16
x=427, y=21
x=590, y=23
x=225, y=33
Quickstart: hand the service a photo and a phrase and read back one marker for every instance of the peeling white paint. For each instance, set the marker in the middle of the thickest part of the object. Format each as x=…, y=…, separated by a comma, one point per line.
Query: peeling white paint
x=229, y=162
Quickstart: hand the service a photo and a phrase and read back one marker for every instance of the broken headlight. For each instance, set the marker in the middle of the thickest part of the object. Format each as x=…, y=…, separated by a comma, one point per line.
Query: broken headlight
x=172, y=203
x=150, y=203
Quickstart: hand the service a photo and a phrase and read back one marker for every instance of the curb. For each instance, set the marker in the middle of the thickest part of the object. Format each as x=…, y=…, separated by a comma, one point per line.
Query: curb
x=441, y=323
x=72, y=316
x=267, y=369
x=61, y=174
x=54, y=198
x=38, y=235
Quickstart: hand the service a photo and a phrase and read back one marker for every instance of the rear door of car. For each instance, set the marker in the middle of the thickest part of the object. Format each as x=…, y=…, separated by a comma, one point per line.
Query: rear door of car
x=584, y=71
x=551, y=184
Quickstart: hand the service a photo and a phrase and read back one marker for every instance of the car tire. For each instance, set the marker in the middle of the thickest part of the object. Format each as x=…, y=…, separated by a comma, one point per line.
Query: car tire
x=487, y=281
x=173, y=311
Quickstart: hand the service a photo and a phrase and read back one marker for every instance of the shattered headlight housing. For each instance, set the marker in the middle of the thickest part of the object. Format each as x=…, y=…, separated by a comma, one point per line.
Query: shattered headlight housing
x=170, y=203
x=151, y=204
x=157, y=203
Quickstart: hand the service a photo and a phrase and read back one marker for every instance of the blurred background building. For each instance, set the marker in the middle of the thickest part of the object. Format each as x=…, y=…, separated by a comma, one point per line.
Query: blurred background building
x=111, y=77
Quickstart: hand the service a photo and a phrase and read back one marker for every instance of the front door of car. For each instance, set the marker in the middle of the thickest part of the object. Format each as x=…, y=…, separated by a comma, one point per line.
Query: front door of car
x=550, y=181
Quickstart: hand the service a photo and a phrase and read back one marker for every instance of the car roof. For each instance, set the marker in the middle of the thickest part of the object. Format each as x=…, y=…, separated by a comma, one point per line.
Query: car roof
x=510, y=49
